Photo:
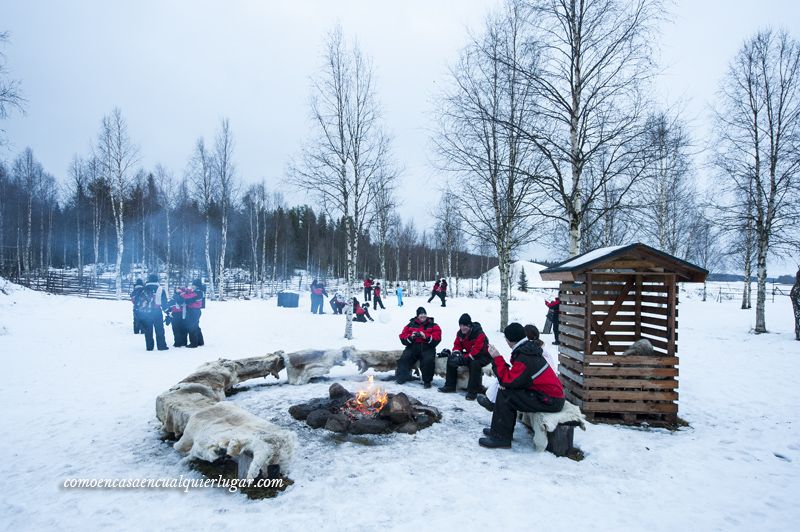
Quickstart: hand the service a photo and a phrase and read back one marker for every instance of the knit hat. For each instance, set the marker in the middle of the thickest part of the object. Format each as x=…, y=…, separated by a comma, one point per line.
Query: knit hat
x=465, y=320
x=138, y=282
x=152, y=278
x=514, y=332
x=198, y=283
x=421, y=310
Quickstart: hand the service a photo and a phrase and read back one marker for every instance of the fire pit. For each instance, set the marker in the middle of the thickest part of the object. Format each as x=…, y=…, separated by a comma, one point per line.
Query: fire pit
x=369, y=411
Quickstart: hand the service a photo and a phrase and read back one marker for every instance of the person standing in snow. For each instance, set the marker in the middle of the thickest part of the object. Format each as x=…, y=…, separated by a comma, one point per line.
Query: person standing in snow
x=553, y=315
x=420, y=338
x=194, y=299
x=443, y=291
x=434, y=290
x=794, y=295
x=367, y=289
x=399, y=292
x=378, y=300
x=151, y=304
x=177, y=318
x=317, y=294
x=528, y=384
x=137, y=289
x=471, y=349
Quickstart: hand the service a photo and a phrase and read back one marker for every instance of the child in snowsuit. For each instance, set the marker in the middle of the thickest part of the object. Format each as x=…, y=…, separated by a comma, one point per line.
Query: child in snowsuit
x=377, y=295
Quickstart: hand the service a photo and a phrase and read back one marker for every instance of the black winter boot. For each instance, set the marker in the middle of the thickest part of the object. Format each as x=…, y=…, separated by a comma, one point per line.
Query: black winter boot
x=492, y=443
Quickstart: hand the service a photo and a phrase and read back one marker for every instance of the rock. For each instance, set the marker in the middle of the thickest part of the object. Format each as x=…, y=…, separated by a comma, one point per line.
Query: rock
x=337, y=423
x=423, y=421
x=337, y=391
x=318, y=418
x=407, y=428
x=301, y=412
x=429, y=411
x=368, y=425
x=641, y=347
x=398, y=409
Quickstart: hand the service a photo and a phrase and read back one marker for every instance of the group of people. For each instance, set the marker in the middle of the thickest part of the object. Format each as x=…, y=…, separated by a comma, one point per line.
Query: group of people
x=439, y=290
x=152, y=310
x=528, y=384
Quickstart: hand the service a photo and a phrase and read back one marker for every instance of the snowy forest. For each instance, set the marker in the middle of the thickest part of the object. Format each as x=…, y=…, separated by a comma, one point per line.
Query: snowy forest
x=557, y=133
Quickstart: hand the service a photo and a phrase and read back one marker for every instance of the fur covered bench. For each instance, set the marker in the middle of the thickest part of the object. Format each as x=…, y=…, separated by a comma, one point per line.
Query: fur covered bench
x=554, y=431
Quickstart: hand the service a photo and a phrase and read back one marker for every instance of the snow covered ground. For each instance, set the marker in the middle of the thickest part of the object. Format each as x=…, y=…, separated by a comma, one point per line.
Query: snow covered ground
x=79, y=392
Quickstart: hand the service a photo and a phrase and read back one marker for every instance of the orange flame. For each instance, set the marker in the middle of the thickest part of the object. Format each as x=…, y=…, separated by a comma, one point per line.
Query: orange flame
x=367, y=401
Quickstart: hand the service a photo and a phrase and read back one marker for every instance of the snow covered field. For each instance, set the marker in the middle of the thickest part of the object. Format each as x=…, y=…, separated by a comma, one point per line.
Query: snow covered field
x=79, y=392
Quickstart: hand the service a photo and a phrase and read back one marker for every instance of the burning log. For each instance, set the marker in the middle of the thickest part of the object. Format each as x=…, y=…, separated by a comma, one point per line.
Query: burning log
x=369, y=411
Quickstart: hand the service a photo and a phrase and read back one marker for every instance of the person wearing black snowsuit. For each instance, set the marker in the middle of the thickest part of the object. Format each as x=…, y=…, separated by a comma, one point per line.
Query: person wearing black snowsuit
x=317, y=294
x=151, y=304
x=194, y=298
x=443, y=292
x=137, y=289
x=337, y=303
x=177, y=318
x=420, y=337
x=434, y=290
x=527, y=384
x=377, y=296
x=554, y=314
x=471, y=349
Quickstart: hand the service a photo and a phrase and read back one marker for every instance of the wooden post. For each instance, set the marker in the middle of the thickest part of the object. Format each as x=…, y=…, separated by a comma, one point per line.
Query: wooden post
x=638, y=308
x=587, y=318
x=671, y=312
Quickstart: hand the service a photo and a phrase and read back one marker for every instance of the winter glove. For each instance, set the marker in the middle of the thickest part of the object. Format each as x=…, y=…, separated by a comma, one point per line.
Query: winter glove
x=455, y=359
x=444, y=354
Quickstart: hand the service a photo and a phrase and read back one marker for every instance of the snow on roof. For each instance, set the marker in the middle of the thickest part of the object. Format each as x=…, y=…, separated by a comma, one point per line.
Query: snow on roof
x=588, y=257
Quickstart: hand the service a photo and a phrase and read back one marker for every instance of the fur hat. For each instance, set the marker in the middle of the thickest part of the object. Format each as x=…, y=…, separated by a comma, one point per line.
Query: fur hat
x=421, y=310
x=465, y=319
x=514, y=332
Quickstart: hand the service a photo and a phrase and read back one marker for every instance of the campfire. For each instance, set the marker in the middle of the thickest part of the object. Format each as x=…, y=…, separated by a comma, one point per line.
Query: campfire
x=369, y=411
x=367, y=402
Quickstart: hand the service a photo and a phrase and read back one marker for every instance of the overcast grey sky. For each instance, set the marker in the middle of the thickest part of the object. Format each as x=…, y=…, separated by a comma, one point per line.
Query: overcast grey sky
x=176, y=67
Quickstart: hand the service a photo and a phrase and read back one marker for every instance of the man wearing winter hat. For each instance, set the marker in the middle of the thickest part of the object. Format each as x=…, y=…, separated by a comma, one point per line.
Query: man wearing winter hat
x=151, y=304
x=471, y=349
x=420, y=336
x=529, y=384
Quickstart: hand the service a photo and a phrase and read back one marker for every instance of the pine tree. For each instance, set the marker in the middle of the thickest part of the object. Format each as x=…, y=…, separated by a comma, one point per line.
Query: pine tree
x=522, y=283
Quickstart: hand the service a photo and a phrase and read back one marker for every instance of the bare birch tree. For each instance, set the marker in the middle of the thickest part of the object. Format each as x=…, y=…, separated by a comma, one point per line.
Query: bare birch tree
x=169, y=192
x=479, y=141
x=758, y=149
x=117, y=155
x=225, y=176
x=348, y=155
x=594, y=58
x=78, y=184
x=201, y=174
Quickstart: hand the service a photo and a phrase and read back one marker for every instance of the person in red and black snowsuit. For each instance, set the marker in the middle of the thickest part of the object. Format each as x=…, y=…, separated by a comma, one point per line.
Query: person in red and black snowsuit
x=529, y=384
x=471, y=349
x=553, y=314
x=378, y=300
x=137, y=289
x=317, y=294
x=361, y=313
x=443, y=292
x=194, y=299
x=420, y=336
x=337, y=303
x=177, y=318
x=367, y=289
x=151, y=304
x=434, y=290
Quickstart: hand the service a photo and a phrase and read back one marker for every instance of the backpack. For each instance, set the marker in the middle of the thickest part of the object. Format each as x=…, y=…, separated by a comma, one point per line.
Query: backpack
x=149, y=300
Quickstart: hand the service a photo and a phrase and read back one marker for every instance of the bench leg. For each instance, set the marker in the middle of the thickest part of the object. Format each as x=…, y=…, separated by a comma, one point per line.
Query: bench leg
x=559, y=442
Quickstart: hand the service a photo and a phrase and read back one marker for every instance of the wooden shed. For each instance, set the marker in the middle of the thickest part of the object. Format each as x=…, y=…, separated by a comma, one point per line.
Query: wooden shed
x=610, y=298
